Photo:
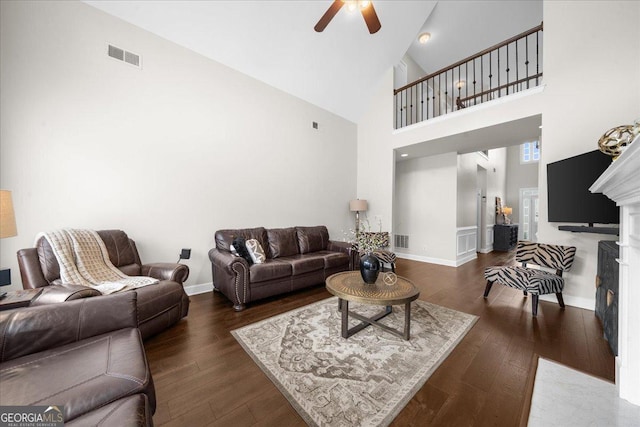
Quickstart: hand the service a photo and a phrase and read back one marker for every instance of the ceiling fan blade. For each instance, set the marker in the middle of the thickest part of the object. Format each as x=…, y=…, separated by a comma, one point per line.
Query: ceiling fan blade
x=328, y=15
x=371, y=18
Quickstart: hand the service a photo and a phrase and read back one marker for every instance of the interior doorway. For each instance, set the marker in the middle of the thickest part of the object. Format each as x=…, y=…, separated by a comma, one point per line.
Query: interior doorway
x=528, y=229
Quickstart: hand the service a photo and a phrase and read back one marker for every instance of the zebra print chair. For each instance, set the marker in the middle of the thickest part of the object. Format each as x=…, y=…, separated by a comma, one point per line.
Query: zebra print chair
x=534, y=281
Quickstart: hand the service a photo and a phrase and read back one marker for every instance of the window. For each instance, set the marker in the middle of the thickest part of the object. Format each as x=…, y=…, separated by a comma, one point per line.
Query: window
x=530, y=152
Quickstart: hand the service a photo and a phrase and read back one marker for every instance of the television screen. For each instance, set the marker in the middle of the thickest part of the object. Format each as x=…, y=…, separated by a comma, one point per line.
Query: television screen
x=569, y=198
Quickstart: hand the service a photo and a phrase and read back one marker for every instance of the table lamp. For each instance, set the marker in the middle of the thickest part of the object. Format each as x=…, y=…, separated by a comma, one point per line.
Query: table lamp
x=506, y=211
x=358, y=206
x=7, y=229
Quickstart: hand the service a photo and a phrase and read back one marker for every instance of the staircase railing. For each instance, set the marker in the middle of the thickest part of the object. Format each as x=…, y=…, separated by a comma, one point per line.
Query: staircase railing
x=506, y=68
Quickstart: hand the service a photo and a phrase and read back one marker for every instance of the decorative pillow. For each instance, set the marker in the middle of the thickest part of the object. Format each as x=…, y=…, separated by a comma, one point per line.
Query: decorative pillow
x=233, y=251
x=241, y=248
x=255, y=251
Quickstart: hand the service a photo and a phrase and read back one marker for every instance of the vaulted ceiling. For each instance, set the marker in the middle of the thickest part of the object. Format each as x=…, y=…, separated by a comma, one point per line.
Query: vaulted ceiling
x=274, y=41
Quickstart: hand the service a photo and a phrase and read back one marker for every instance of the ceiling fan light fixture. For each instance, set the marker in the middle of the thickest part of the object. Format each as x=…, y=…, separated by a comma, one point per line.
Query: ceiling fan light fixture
x=424, y=37
x=366, y=9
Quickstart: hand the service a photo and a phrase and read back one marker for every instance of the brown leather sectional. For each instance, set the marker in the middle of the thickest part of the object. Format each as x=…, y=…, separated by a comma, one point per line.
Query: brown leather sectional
x=84, y=356
x=159, y=306
x=297, y=257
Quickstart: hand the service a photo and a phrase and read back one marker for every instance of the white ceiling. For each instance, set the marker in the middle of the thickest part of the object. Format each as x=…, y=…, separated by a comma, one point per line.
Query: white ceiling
x=460, y=29
x=274, y=41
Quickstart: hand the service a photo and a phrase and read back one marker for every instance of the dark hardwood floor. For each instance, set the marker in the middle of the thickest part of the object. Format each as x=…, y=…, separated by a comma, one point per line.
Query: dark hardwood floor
x=203, y=376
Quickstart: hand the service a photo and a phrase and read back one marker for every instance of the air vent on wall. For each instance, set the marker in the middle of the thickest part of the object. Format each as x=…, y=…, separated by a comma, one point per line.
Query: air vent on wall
x=401, y=241
x=125, y=56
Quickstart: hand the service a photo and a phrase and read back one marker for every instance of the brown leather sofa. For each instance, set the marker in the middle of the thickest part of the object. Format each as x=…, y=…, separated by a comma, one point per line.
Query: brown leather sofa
x=84, y=356
x=297, y=257
x=160, y=306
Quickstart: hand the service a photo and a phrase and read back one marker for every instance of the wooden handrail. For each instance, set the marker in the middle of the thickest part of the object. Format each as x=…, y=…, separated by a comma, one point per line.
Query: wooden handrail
x=472, y=57
x=488, y=91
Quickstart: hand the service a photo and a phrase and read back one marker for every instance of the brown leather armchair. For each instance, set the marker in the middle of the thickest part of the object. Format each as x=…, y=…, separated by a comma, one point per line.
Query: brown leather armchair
x=85, y=356
x=159, y=306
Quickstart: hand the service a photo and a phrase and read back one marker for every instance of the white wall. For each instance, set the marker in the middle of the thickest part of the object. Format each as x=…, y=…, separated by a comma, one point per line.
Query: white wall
x=414, y=71
x=466, y=190
x=425, y=207
x=169, y=153
x=592, y=86
x=376, y=162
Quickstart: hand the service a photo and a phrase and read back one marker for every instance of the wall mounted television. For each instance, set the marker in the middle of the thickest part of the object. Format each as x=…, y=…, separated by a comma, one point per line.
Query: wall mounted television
x=569, y=198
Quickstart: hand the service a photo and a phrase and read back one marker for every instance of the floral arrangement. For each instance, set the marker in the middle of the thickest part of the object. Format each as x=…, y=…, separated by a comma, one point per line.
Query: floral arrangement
x=366, y=241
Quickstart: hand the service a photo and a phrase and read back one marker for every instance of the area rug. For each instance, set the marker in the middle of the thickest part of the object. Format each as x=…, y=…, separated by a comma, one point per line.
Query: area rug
x=364, y=380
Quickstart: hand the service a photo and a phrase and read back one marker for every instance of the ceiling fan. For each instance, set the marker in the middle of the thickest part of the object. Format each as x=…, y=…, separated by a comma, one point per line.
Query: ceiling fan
x=366, y=8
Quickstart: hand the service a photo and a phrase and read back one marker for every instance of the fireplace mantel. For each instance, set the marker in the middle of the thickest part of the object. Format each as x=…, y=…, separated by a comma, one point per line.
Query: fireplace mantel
x=621, y=183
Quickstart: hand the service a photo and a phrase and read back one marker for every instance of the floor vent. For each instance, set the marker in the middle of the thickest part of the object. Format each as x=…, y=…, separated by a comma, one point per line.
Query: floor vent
x=125, y=56
x=401, y=241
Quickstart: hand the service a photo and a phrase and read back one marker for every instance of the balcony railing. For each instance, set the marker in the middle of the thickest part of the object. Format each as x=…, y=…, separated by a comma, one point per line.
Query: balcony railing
x=501, y=70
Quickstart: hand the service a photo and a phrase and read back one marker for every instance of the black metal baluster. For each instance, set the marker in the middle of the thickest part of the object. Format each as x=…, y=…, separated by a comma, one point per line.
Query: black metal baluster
x=415, y=102
x=537, y=58
x=526, y=63
x=517, y=66
x=499, y=90
x=466, y=78
x=401, y=118
x=481, y=77
x=410, y=118
x=433, y=97
x=490, y=75
x=457, y=87
x=474, y=80
x=507, y=83
x=446, y=92
x=439, y=94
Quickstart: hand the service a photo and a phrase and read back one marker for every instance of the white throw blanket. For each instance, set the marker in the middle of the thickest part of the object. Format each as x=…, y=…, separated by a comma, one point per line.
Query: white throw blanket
x=84, y=260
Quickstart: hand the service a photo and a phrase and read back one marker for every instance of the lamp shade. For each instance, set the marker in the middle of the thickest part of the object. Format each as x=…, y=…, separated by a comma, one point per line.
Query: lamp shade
x=358, y=205
x=507, y=211
x=7, y=217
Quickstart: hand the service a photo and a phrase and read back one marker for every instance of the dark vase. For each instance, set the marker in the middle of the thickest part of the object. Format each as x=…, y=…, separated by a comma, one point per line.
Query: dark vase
x=369, y=268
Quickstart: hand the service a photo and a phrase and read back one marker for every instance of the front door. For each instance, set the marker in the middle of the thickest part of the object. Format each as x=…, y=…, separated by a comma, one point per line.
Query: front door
x=528, y=229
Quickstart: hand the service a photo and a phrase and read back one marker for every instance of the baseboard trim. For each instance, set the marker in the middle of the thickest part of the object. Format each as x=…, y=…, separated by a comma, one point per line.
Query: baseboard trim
x=199, y=289
x=466, y=259
x=486, y=250
x=430, y=260
x=580, y=302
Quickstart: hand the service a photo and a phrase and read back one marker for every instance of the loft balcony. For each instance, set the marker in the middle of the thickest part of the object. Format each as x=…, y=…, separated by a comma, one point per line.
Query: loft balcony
x=500, y=70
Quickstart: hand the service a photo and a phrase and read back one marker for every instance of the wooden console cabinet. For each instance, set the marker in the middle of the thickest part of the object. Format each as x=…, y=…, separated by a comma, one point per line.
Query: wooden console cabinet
x=505, y=237
x=607, y=285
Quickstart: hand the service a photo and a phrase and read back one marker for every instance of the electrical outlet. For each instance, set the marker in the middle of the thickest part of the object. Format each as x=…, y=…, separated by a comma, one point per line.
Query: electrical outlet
x=185, y=254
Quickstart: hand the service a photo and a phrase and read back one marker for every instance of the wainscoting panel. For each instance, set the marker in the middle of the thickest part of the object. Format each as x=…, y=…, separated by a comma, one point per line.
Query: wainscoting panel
x=488, y=240
x=465, y=244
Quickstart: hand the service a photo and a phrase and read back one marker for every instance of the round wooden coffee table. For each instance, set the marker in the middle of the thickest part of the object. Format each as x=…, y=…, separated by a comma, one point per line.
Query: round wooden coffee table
x=349, y=286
